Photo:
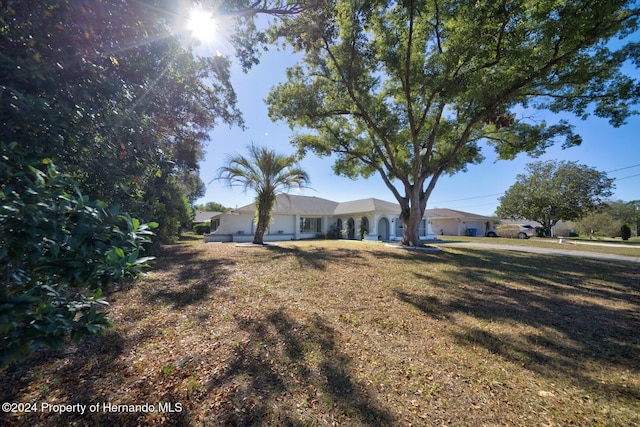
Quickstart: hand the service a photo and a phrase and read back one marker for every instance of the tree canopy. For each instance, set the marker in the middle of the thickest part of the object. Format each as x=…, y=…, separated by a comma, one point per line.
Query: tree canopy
x=552, y=191
x=212, y=207
x=609, y=221
x=414, y=90
x=110, y=93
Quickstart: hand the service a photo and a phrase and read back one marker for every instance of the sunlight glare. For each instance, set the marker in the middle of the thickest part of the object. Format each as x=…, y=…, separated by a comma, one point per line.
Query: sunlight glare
x=202, y=25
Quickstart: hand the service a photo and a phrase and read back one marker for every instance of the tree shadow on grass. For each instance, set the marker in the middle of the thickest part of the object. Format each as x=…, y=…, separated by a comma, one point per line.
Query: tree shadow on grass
x=188, y=277
x=318, y=257
x=292, y=373
x=321, y=257
x=90, y=373
x=583, y=312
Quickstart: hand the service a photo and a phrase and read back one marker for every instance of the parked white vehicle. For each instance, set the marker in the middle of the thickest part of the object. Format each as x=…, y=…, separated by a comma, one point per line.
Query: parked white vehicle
x=512, y=230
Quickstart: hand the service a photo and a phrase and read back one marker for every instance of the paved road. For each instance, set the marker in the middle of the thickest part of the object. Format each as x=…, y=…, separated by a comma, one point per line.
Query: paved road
x=547, y=251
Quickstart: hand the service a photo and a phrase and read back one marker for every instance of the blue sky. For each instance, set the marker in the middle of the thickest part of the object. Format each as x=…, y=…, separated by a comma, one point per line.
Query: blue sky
x=605, y=148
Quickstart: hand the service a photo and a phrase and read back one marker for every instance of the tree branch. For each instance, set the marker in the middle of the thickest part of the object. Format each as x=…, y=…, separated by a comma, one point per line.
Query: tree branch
x=390, y=164
x=262, y=6
x=437, y=28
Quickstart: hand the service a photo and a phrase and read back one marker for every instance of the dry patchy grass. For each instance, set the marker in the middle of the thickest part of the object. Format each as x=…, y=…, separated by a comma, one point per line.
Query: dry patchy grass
x=583, y=245
x=349, y=333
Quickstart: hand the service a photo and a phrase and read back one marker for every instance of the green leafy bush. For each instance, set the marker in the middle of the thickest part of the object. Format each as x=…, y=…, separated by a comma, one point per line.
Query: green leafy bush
x=202, y=228
x=625, y=232
x=58, y=250
x=334, y=232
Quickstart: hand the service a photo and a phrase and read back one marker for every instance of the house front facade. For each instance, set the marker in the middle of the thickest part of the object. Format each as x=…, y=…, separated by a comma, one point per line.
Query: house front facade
x=450, y=222
x=306, y=217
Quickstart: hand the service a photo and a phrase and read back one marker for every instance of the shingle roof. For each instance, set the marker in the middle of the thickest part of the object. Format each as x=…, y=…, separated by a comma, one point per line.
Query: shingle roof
x=289, y=203
x=367, y=205
x=442, y=213
x=310, y=205
x=204, y=216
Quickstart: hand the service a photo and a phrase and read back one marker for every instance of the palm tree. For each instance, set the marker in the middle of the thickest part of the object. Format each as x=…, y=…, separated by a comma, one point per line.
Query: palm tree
x=268, y=174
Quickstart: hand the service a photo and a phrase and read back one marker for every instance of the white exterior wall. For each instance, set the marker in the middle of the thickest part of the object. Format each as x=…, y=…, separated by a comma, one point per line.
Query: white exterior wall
x=457, y=227
x=396, y=233
x=235, y=223
x=239, y=227
x=282, y=223
x=373, y=227
x=448, y=227
x=478, y=225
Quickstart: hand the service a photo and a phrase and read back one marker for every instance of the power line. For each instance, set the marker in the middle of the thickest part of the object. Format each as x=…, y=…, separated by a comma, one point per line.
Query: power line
x=626, y=177
x=500, y=194
x=621, y=169
x=467, y=198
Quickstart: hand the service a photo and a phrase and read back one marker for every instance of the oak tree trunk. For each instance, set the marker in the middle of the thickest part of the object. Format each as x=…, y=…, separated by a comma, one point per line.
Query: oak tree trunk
x=412, y=211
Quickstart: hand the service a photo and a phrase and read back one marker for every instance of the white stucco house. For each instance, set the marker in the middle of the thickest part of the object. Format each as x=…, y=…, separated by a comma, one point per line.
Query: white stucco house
x=451, y=222
x=306, y=217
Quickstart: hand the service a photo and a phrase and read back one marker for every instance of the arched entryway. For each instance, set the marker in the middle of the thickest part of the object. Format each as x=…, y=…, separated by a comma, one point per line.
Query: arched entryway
x=364, y=227
x=351, y=229
x=339, y=227
x=383, y=229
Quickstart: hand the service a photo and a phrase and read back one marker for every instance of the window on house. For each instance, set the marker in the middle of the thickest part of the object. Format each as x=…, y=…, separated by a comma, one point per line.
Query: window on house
x=399, y=227
x=422, y=230
x=310, y=225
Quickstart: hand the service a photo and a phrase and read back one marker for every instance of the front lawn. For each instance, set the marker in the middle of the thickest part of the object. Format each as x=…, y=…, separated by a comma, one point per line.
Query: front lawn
x=351, y=333
x=618, y=247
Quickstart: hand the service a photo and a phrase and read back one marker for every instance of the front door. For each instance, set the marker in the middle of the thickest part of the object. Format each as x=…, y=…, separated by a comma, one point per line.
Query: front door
x=383, y=229
x=351, y=229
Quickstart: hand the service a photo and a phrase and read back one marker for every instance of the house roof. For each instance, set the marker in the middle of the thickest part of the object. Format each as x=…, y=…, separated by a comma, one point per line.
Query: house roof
x=443, y=213
x=289, y=203
x=311, y=205
x=204, y=216
x=367, y=205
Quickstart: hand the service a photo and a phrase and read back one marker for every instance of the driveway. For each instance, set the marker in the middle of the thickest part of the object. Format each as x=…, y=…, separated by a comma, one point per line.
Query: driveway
x=547, y=251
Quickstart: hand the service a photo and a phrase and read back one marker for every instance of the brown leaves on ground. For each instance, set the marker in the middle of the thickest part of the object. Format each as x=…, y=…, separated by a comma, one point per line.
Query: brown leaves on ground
x=349, y=333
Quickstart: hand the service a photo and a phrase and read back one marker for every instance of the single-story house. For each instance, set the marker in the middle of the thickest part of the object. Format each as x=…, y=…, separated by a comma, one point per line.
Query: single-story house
x=201, y=217
x=305, y=217
x=451, y=222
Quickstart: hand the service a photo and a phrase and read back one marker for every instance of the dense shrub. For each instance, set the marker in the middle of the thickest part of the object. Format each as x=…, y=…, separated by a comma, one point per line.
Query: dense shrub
x=540, y=232
x=58, y=250
x=625, y=232
x=203, y=228
x=334, y=232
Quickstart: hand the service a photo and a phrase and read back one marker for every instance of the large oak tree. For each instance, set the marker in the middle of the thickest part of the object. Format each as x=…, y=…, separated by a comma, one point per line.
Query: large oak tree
x=552, y=191
x=412, y=90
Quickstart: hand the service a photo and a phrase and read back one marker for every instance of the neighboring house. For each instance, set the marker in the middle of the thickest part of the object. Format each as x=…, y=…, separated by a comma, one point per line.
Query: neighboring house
x=201, y=217
x=450, y=222
x=305, y=217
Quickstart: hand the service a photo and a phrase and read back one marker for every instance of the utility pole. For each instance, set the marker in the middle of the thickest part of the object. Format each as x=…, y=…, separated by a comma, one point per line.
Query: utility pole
x=636, y=203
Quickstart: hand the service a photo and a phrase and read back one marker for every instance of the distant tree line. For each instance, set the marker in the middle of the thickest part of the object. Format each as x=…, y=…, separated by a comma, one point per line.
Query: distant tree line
x=611, y=220
x=212, y=207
